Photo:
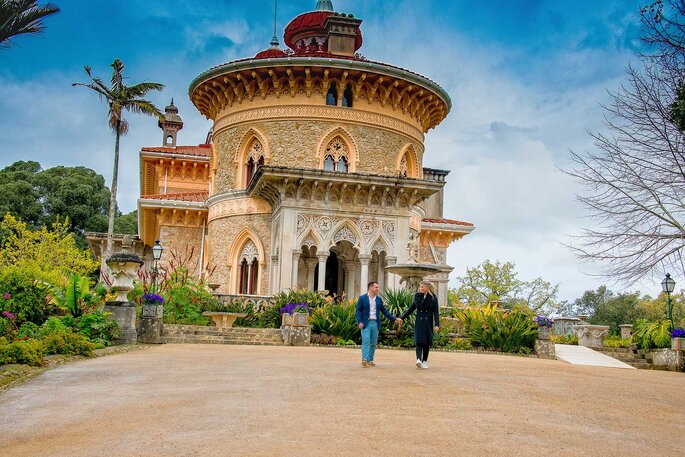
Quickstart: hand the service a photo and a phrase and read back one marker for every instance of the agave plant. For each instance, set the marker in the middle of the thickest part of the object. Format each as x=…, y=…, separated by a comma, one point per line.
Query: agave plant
x=336, y=320
x=75, y=297
x=398, y=301
x=492, y=328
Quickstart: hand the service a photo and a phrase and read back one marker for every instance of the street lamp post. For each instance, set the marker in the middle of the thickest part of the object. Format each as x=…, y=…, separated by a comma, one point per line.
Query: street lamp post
x=668, y=286
x=157, y=250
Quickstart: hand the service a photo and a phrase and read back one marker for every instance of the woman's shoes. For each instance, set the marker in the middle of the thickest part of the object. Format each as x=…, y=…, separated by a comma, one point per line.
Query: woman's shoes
x=418, y=363
x=424, y=365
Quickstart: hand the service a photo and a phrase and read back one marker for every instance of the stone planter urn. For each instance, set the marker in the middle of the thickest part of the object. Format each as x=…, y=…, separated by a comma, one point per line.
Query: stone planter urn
x=592, y=336
x=544, y=332
x=124, y=268
x=626, y=331
x=295, y=319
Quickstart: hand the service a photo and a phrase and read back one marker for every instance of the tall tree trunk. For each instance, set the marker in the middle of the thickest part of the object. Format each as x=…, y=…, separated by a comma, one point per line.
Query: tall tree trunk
x=113, y=194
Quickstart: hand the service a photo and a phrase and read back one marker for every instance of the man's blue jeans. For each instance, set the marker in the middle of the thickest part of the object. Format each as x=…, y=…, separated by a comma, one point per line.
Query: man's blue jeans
x=369, y=340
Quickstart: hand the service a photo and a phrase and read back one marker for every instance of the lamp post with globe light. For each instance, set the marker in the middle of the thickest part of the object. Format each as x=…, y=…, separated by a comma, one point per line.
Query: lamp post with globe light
x=668, y=286
x=157, y=250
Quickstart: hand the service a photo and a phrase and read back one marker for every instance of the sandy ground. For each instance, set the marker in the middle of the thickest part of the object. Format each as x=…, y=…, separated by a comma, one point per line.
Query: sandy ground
x=196, y=400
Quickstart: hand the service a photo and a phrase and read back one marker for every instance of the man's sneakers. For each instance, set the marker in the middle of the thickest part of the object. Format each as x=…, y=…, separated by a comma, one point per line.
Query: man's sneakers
x=418, y=363
x=371, y=363
x=365, y=363
x=424, y=365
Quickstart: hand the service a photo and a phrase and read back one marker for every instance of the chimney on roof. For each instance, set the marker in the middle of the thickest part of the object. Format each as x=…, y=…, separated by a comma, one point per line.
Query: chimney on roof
x=342, y=34
x=170, y=125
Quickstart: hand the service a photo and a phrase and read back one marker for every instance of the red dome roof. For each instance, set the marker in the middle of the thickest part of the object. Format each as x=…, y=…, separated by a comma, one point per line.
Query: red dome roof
x=270, y=53
x=312, y=22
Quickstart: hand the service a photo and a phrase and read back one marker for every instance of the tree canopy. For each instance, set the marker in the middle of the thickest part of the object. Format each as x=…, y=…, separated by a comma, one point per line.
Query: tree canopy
x=498, y=282
x=42, y=197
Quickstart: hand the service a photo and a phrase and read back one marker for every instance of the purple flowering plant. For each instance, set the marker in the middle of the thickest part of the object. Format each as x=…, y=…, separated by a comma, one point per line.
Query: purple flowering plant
x=8, y=315
x=292, y=308
x=7, y=296
x=678, y=333
x=153, y=299
x=543, y=321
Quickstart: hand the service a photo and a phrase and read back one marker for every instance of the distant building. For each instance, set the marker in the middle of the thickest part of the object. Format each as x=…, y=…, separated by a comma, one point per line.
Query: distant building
x=312, y=176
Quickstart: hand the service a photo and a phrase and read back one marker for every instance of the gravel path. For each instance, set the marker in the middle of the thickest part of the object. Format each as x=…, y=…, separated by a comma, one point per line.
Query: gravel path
x=195, y=400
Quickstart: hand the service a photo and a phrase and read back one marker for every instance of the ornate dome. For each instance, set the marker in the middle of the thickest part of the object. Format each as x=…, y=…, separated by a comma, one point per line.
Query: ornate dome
x=171, y=113
x=272, y=52
x=312, y=25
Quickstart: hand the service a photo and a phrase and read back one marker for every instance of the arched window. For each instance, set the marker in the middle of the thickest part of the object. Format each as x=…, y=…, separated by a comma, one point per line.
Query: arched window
x=332, y=96
x=342, y=165
x=347, y=97
x=255, y=158
x=336, y=156
x=244, y=278
x=329, y=163
x=169, y=139
x=249, y=269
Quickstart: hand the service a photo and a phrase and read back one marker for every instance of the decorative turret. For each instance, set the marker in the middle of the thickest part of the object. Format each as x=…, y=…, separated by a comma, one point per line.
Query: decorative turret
x=323, y=31
x=170, y=125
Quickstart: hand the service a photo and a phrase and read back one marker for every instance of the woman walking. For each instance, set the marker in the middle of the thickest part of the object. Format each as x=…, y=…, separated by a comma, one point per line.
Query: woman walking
x=427, y=320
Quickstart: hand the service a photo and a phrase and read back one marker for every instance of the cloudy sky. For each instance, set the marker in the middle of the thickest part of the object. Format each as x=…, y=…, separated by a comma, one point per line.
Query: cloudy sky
x=526, y=79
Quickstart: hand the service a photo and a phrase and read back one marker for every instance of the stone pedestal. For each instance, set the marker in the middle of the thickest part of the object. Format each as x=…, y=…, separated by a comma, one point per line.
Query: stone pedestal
x=124, y=268
x=592, y=336
x=296, y=335
x=626, y=331
x=150, y=331
x=545, y=349
x=544, y=333
x=124, y=314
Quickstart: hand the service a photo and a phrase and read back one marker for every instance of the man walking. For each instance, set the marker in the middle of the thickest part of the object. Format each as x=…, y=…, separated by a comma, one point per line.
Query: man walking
x=369, y=308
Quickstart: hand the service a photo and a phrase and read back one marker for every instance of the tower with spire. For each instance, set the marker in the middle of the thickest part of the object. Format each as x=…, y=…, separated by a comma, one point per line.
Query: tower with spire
x=170, y=125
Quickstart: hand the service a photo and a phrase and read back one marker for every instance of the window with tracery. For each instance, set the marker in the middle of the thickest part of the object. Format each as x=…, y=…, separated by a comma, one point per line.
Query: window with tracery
x=255, y=158
x=249, y=269
x=337, y=156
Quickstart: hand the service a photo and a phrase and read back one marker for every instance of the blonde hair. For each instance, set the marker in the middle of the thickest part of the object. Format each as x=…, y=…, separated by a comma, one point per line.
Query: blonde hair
x=429, y=287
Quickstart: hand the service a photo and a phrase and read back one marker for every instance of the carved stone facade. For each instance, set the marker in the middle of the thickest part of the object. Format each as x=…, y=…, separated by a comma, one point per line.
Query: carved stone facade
x=312, y=175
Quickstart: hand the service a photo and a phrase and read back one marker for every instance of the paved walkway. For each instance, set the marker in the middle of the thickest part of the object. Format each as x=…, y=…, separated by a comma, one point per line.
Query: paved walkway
x=215, y=400
x=581, y=355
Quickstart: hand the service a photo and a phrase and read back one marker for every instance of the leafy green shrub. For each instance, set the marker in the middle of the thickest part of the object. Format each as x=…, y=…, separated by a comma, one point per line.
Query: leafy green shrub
x=28, y=330
x=29, y=352
x=336, y=320
x=651, y=335
x=27, y=300
x=491, y=328
x=98, y=327
x=617, y=342
x=565, y=339
x=461, y=344
x=269, y=317
x=185, y=303
x=67, y=343
x=52, y=325
x=75, y=297
x=312, y=298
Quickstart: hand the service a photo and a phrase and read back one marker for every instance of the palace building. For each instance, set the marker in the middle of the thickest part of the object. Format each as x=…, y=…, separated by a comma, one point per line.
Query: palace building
x=312, y=176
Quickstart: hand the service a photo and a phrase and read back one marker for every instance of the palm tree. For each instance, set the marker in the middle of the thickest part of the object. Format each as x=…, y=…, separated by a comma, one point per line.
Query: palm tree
x=120, y=98
x=20, y=17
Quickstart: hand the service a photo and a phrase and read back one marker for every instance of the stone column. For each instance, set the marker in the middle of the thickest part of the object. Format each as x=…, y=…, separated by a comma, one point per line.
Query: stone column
x=392, y=278
x=295, y=267
x=364, y=259
x=351, y=269
x=275, y=276
x=311, y=266
x=381, y=273
x=323, y=257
